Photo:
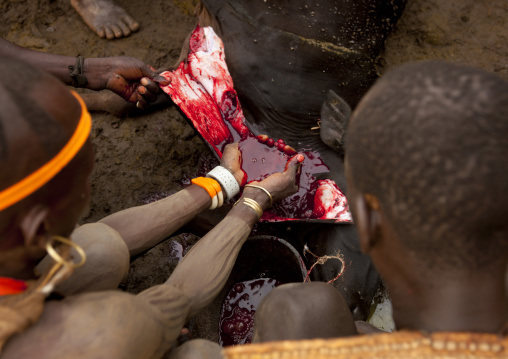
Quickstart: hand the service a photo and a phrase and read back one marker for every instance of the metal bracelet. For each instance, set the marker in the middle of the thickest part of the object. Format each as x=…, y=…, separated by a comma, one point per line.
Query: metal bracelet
x=264, y=190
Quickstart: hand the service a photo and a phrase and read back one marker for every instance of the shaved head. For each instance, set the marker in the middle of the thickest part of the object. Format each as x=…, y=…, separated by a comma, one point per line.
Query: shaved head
x=430, y=141
x=30, y=133
x=38, y=117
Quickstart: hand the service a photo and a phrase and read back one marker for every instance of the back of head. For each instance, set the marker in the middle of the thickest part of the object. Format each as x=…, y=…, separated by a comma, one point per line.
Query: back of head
x=23, y=117
x=430, y=141
x=33, y=126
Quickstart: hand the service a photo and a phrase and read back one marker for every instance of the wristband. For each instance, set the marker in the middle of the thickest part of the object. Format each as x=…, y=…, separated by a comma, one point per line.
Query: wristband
x=212, y=187
x=226, y=180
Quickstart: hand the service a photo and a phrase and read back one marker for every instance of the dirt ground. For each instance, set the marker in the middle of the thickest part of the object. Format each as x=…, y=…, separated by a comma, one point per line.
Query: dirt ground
x=461, y=31
x=147, y=156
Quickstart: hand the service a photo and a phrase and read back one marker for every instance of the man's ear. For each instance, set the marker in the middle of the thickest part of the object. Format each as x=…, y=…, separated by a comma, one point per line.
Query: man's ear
x=367, y=220
x=33, y=225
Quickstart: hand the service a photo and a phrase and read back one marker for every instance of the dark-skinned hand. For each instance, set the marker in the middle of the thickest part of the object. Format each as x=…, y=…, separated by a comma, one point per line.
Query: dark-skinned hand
x=279, y=185
x=128, y=77
x=231, y=160
x=282, y=185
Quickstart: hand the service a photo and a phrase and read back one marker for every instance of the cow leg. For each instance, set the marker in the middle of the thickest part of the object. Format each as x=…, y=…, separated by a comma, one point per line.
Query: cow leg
x=204, y=19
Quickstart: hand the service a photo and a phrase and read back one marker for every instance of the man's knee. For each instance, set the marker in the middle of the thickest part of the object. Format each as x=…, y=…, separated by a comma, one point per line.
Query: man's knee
x=303, y=311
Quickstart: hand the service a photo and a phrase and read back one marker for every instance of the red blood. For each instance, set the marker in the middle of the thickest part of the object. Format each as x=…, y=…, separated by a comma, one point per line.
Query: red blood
x=330, y=202
x=259, y=160
x=228, y=326
x=203, y=88
x=262, y=138
x=289, y=150
x=236, y=320
x=240, y=327
x=195, y=102
x=196, y=39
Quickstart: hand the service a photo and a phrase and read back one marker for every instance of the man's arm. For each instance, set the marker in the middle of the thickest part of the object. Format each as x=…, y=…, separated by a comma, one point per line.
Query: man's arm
x=144, y=226
x=126, y=326
x=56, y=65
x=128, y=77
x=201, y=274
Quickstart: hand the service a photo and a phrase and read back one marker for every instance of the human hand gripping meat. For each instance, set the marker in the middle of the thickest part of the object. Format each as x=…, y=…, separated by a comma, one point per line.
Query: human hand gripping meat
x=128, y=77
x=232, y=161
x=203, y=89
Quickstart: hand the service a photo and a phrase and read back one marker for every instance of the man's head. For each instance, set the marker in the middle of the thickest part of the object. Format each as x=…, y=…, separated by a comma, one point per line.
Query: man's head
x=427, y=152
x=38, y=118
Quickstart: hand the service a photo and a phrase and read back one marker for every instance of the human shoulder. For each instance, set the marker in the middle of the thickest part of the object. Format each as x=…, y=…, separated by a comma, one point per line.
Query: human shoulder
x=107, y=324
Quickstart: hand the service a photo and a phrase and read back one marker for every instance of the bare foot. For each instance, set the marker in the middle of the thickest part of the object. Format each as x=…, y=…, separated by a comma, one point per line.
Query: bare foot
x=105, y=18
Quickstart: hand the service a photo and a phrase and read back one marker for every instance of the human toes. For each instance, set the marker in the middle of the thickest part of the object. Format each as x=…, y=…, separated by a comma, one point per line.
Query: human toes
x=116, y=30
x=109, y=32
x=131, y=23
x=101, y=31
x=125, y=29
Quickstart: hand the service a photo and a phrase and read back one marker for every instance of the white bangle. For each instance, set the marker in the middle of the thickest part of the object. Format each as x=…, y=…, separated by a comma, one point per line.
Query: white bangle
x=220, y=197
x=214, y=203
x=226, y=180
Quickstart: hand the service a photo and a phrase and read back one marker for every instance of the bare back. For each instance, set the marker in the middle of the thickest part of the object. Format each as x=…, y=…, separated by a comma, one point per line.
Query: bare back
x=107, y=324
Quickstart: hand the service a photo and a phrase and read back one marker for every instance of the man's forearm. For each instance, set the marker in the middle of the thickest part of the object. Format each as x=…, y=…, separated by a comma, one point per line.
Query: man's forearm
x=201, y=274
x=206, y=267
x=56, y=65
x=145, y=226
x=94, y=69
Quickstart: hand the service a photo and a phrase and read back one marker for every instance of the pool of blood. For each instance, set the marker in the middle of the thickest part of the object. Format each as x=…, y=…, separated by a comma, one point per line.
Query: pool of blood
x=260, y=160
x=236, y=323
